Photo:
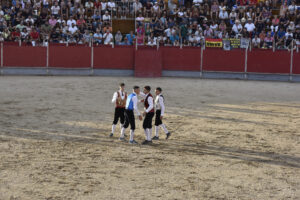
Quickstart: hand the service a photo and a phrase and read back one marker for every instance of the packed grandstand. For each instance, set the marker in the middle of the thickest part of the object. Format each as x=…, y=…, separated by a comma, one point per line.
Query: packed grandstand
x=264, y=24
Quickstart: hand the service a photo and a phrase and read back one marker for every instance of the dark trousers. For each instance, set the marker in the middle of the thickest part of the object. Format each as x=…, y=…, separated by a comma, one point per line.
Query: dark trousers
x=119, y=113
x=129, y=119
x=157, y=118
x=148, y=120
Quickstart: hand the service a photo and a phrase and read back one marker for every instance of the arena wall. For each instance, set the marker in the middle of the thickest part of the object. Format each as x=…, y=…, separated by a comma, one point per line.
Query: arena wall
x=144, y=61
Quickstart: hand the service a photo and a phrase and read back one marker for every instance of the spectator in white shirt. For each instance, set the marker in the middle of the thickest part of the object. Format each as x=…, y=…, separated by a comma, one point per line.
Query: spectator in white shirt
x=197, y=2
x=256, y=42
x=61, y=20
x=111, y=5
x=103, y=5
x=30, y=19
x=71, y=21
x=73, y=29
x=223, y=15
x=137, y=5
x=1, y=11
x=140, y=19
x=89, y=4
x=151, y=42
x=55, y=9
x=156, y=8
x=118, y=38
x=292, y=8
x=237, y=27
x=97, y=37
x=214, y=26
x=289, y=34
x=108, y=37
x=250, y=27
x=106, y=16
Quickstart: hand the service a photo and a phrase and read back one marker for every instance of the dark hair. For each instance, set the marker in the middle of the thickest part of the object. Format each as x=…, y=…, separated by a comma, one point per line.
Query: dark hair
x=122, y=84
x=148, y=88
x=159, y=89
x=136, y=87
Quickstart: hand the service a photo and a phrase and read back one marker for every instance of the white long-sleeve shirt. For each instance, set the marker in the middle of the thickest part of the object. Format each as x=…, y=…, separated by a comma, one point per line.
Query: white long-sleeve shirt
x=115, y=96
x=150, y=101
x=160, y=104
x=135, y=102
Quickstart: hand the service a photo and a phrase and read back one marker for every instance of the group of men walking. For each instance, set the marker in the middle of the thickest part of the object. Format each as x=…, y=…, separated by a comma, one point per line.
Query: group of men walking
x=126, y=105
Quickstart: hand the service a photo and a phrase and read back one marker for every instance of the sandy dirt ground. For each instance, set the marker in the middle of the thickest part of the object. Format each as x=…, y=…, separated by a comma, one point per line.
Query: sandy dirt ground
x=231, y=140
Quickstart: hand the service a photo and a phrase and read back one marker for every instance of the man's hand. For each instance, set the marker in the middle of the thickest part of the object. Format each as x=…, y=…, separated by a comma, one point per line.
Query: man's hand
x=161, y=117
x=140, y=117
x=142, y=100
x=144, y=114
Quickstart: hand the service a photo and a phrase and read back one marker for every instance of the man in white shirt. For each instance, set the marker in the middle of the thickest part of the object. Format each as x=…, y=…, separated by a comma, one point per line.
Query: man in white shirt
x=73, y=29
x=97, y=37
x=223, y=15
x=108, y=37
x=137, y=5
x=151, y=42
x=237, y=27
x=159, y=114
x=106, y=16
x=55, y=9
x=256, y=42
x=197, y=2
x=148, y=114
x=30, y=19
x=119, y=99
x=71, y=21
x=111, y=5
x=250, y=26
x=131, y=105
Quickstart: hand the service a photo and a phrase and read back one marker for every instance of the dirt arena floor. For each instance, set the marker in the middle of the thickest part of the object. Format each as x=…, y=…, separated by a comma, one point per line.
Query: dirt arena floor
x=231, y=140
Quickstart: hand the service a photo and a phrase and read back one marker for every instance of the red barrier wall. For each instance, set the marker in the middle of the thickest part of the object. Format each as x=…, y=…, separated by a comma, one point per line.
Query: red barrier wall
x=119, y=57
x=220, y=60
x=25, y=56
x=148, y=62
x=267, y=61
x=187, y=59
x=0, y=54
x=70, y=57
x=296, y=63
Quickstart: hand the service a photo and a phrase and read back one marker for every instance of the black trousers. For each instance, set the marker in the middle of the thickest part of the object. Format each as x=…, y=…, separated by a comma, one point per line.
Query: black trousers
x=129, y=119
x=119, y=113
x=157, y=118
x=148, y=120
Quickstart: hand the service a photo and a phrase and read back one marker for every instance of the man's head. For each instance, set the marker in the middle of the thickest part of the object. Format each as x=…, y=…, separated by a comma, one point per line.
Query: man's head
x=122, y=86
x=136, y=89
x=158, y=90
x=147, y=89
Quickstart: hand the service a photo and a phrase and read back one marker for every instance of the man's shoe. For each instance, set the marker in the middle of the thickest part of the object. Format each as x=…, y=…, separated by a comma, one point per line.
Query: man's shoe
x=133, y=142
x=155, y=138
x=145, y=142
x=122, y=139
x=168, y=135
x=111, y=135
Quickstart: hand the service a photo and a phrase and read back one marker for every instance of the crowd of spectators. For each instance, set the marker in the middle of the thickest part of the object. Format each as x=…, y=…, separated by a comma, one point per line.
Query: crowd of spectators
x=266, y=23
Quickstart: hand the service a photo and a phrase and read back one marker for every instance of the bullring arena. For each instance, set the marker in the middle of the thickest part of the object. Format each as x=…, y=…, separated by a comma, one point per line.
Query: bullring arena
x=231, y=139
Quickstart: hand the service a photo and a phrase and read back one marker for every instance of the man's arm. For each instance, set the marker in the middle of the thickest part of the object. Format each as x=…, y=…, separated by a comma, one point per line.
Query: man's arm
x=114, y=97
x=162, y=105
x=143, y=95
x=135, y=107
x=150, y=102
